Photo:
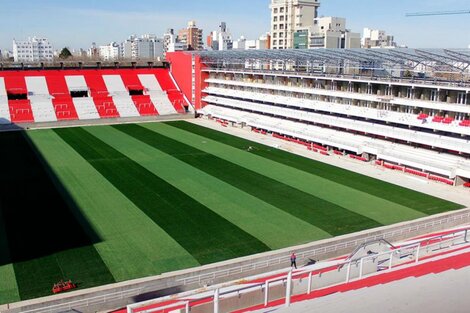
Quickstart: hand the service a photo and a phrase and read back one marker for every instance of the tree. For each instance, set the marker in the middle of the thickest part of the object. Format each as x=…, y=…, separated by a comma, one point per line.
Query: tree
x=65, y=54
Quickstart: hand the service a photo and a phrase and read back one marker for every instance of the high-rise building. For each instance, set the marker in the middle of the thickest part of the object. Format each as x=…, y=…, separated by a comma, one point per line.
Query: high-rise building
x=375, y=38
x=93, y=52
x=327, y=32
x=79, y=53
x=144, y=47
x=220, y=39
x=261, y=43
x=168, y=38
x=288, y=16
x=191, y=37
x=239, y=44
x=33, y=50
x=110, y=52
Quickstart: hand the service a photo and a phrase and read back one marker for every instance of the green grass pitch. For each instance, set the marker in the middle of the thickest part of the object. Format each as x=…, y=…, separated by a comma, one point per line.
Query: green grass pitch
x=111, y=203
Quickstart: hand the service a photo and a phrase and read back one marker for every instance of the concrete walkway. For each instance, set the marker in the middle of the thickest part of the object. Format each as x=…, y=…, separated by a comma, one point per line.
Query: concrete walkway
x=454, y=194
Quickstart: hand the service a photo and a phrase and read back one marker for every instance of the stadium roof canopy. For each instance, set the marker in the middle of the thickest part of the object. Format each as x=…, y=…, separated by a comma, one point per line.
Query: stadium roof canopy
x=453, y=60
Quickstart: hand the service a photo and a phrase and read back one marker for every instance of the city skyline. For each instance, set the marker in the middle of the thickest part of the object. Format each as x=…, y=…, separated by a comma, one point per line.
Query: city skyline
x=77, y=25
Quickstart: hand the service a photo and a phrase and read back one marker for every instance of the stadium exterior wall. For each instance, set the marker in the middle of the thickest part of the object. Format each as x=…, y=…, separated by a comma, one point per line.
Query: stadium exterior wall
x=119, y=295
x=181, y=67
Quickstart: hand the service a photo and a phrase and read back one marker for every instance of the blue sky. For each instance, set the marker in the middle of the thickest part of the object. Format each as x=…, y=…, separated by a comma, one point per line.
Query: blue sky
x=78, y=23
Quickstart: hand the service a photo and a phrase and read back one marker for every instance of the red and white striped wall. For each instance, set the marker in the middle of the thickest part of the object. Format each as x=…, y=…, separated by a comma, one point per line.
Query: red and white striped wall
x=58, y=95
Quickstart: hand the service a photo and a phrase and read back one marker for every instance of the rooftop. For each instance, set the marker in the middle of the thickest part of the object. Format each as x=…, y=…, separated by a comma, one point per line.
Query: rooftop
x=425, y=60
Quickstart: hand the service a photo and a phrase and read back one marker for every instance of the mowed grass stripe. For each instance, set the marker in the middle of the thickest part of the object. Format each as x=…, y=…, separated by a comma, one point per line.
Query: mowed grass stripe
x=375, y=208
x=132, y=245
x=8, y=287
x=31, y=204
x=274, y=227
x=403, y=196
x=83, y=265
x=207, y=236
x=333, y=219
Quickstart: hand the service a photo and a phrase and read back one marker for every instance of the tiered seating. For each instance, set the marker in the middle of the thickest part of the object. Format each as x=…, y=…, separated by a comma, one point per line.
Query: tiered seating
x=424, y=160
x=176, y=97
x=143, y=103
x=394, y=167
x=85, y=107
x=409, y=157
x=5, y=117
x=260, y=131
x=441, y=180
x=437, y=119
x=20, y=110
x=61, y=99
x=448, y=120
x=337, y=108
x=125, y=105
x=293, y=140
x=365, y=127
x=465, y=123
x=104, y=103
x=416, y=172
x=40, y=99
x=358, y=157
x=52, y=95
x=444, y=120
x=158, y=97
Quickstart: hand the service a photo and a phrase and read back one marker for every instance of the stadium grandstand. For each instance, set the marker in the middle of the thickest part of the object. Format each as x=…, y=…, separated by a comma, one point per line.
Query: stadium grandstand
x=104, y=210
x=405, y=109
x=61, y=95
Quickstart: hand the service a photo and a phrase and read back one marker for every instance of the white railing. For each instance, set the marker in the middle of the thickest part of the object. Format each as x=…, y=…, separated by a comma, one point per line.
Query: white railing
x=304, y=255
x=396, y=258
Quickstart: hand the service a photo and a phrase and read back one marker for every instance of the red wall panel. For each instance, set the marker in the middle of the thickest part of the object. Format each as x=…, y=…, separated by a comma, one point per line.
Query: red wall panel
x=181, y=69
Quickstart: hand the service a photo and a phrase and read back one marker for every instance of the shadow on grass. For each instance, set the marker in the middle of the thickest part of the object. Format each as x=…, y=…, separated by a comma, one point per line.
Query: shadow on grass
x=38, y=216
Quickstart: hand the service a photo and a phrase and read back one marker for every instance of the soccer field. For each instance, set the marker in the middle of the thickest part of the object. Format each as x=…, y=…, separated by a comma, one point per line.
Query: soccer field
x=111, y=203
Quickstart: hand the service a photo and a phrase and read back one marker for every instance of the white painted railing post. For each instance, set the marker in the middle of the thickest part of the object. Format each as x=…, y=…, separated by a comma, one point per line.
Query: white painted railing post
x=309, y=289
x=466, y=231
x=417, y=253
x=216, y=301
x=288, y=288
x=361, y=268
x=348, y=272
x=266, y=294
x=187, y=307
x=390, y=264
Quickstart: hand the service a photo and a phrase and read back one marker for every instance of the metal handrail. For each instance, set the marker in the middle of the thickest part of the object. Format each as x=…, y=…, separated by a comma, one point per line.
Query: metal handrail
x=123, y=294
x=290, y=275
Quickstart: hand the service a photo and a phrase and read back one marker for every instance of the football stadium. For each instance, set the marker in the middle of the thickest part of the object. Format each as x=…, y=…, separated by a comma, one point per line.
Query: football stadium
x=108, y=176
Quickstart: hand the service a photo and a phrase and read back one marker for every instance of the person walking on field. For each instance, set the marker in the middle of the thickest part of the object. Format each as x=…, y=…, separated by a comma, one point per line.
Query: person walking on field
x=293, y=260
